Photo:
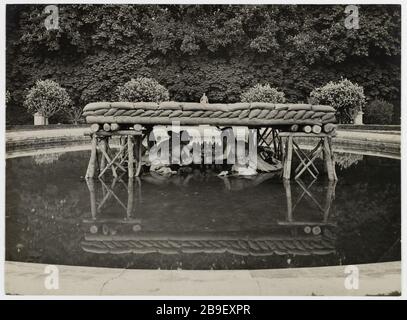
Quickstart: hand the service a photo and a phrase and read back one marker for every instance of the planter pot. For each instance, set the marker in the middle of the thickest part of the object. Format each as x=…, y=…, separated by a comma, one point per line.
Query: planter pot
x=359, y=118
x=40, y=120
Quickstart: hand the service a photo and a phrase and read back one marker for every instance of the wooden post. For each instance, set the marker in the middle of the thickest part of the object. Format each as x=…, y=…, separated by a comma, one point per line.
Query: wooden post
x=279, y=146
x=332, y=158
x=288, y=158
x=287, y=187
x=330, y=195
x=130, y=197
x=323, y=157
x=275, y=136
x=103, y=148
x=259, y=137
x=138, y=148
x=328, y=160
x=90, y=172
x=92, y=193
x=130, y=149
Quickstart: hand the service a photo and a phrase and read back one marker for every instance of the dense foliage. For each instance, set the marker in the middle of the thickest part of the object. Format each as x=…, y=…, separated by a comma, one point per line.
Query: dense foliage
x=142, y=89
x=47, y=98
x=378, y=112
x=346, y=97
x=191, y=49
x=263, y=93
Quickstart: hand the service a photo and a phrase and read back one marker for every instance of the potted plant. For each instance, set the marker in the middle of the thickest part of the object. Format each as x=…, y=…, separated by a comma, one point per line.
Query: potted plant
x=45, y=99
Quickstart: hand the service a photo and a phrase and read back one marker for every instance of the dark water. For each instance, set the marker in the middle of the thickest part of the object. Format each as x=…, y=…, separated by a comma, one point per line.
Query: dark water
x=197, y=220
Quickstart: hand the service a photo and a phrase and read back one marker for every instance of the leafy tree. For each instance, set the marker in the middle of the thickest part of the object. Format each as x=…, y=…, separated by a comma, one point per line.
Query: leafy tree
x=74, y=114
x=378, y=112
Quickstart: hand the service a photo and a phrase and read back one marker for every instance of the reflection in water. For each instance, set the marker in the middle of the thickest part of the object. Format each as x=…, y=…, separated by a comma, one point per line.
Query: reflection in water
x=294, y=235
x=54, y=216
x=47, y=158
x=345, y=160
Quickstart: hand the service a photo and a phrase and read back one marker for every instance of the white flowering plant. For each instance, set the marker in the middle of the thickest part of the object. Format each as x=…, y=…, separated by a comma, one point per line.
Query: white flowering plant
x=346, y=97
x=143, y=89
x=262, y=93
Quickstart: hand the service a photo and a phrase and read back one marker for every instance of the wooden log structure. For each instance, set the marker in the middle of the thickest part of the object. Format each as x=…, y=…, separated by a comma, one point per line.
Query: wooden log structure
x=125, y=159
x=115, y=126
x=323, y=146
x=307, y=129
x=94, y=127
x=316, y=128
x=254, y=114
x=272, y=121
x=106, y=127
x=294, y=128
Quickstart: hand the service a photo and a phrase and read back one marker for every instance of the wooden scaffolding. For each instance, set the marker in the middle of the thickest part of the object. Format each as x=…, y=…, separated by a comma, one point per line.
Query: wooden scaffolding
x=307, y=158
x=126, y=158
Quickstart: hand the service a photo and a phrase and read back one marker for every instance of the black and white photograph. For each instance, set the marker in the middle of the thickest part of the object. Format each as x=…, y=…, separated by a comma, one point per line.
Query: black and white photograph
x=202, y=150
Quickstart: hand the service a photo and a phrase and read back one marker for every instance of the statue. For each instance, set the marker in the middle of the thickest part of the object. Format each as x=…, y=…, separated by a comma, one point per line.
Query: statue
x=204, y=99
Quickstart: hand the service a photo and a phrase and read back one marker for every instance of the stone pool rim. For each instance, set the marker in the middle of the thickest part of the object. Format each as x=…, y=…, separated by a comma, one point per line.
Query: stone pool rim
x=376, y=279
x=351, y=140
x=19, y=270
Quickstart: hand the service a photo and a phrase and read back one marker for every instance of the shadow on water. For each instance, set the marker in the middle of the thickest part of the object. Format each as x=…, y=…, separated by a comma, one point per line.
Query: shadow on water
x=197, y=220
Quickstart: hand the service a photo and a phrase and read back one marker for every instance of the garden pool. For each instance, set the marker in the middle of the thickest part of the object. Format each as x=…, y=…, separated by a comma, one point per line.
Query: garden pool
x=197, y=220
